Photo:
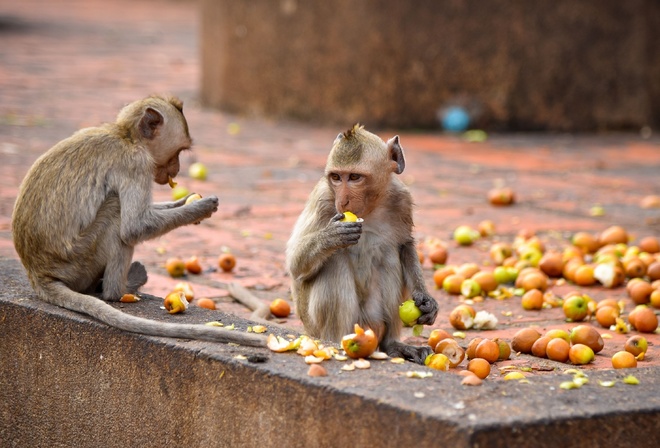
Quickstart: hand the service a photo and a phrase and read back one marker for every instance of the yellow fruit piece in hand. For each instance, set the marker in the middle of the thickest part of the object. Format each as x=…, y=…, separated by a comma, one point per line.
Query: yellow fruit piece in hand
x=349, y=217
x=193, y=197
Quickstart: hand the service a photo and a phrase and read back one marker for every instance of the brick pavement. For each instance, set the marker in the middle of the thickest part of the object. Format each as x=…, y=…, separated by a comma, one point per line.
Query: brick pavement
x=69, y=64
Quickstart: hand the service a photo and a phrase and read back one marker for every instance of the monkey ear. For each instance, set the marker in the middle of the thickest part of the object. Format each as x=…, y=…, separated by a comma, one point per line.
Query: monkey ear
x=149, y=123
x=396, y=154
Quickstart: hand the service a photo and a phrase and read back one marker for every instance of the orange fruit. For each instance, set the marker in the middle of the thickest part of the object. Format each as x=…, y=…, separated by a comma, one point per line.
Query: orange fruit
x=644, y=319
x=438, y=255
x=280, y=308
x=535, y=280
x=524, y=339
x=640, y=292
x=452, y=283
x=226, y=262
x=586, y=242
x=175, y=267
x=467, y=270
x=589, y=336
x=540, y=345
x=623, y=360
x=613, y=235
x=436, y=336
x=488, y=350
x=653, y=271
x=557, y=349
x=532, y=300
x=439, y=275
x=606, y=316
x=207, y=303
x=649, y=244
x=552, y=264
x=479, y=367
x=584, y=275
x=193, y=265
x=470, y=352
x=486, y=280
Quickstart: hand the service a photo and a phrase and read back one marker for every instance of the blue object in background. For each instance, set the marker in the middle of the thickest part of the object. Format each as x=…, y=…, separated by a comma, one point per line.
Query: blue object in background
x=455, y=119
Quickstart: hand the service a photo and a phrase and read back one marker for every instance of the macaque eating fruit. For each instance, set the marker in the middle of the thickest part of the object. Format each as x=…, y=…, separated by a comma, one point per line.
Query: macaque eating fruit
x=86, y=203
x=345, y=272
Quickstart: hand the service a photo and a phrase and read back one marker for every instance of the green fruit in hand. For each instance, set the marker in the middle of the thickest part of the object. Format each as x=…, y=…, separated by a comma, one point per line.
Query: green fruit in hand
x=409, y=313
x=198, y=171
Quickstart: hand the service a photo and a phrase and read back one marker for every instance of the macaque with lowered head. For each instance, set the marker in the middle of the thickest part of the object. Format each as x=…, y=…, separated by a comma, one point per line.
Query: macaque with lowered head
x=86, y=203
x=359, y=272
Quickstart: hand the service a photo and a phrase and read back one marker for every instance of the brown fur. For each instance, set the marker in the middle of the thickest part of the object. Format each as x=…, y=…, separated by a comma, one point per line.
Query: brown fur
x=346, y=273
x=87, y=202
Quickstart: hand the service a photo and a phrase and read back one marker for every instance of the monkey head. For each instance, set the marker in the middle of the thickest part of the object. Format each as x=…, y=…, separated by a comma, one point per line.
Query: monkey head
x=159, y=125
x=359, y=169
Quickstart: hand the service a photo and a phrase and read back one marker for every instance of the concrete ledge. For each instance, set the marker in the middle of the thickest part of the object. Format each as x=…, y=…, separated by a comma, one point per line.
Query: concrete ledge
x=66, y=380
x=560, y=65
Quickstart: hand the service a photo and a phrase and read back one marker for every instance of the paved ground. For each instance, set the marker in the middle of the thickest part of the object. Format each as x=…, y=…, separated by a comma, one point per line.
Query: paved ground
x=70, y=64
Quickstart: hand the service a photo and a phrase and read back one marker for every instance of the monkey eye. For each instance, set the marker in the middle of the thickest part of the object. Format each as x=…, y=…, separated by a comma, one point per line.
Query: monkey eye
x=354, y=177
x=335, y=177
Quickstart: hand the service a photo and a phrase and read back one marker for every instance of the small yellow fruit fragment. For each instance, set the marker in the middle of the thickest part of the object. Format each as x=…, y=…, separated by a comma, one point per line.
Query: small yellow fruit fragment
x=129, y=298
x=397, y=360
x=214, y=323
x=379, y=355
x=631, y=380
x=311, y=359
x=418, y=374
x=349, y=217
x=279, y=344
x=567, y=385
x=307, y=346
x=323, y=353
x=606, y=383
x=362, y=364
x=514, y=376
x=259, y=329
x=348, y=367
x=175, y=302
x=186, y=289
x=171, y=182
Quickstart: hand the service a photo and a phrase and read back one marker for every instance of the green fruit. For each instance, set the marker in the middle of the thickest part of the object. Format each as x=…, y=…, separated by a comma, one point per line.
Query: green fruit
x=470, y=288
x=409, y=313
x=179, y=192
x=576, y=308
x=198, y=171
x=465, y=235
x=501, y=274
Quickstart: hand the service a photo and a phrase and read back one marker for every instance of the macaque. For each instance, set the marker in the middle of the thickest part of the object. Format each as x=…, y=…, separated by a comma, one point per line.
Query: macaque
x=359, y=272
x=86, y=203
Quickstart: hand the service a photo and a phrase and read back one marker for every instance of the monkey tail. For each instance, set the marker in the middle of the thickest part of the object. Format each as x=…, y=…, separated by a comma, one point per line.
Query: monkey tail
x=57, y=293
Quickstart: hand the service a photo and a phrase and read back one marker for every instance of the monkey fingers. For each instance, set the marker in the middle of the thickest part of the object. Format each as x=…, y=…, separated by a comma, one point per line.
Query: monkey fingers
x=416, y=354
x=427, y=305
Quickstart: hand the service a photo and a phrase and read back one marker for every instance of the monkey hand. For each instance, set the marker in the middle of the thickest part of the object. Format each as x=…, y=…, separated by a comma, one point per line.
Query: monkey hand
x=427, y=305
x=342, y=234
x=397, y=349
x=204, y=208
